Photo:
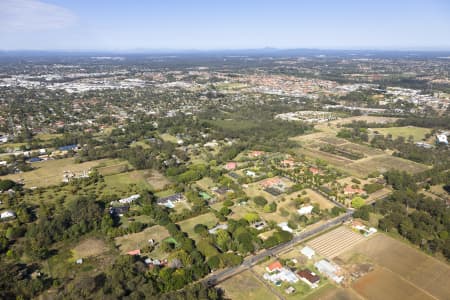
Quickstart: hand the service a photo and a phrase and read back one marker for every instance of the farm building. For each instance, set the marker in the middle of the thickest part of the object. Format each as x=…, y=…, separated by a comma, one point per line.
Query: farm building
x=330, y=270
x=308, y=252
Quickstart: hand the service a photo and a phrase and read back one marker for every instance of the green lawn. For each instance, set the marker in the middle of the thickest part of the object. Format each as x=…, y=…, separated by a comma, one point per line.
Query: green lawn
x=126, y=183
x=418, y=133
x=208, y=219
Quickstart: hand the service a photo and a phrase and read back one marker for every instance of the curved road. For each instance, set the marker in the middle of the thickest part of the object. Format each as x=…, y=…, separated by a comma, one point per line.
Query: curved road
x=219, y=276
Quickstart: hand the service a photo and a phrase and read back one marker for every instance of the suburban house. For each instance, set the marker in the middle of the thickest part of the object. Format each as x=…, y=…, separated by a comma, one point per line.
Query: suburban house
x=275, y=266
x=315, y=171
x=250, y=173
x=349, y=190
x=218, y=227
x=441, y=139
x=170, y=201
x=305, y=210
x=270, y=182
x=330, y=270
x=308, y=252
x=134, y=252
x=129, y=199
x=288, y=163
x=278, y=273
x=7, y=214
x=231, y=166
x=309, y=278
x=119, y=210
x=285, y=227
x=255, y=153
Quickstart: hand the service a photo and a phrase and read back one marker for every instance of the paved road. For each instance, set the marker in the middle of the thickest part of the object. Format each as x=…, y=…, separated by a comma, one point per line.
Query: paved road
x=219, y=276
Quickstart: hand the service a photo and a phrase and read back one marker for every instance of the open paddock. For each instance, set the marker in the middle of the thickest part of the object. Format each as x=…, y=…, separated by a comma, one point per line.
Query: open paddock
x=51, y=172
x=157, y=180
x=139, y=240
x=418, y=133
x=245, y=286
x=89, y=248
x=420, y=270
x=382, y=284
x=385, y=162
x=127, y=182
x=208, y=219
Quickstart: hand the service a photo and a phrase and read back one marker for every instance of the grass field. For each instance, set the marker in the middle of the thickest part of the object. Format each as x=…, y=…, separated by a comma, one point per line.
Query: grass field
x=157, y=180
x=407, y=269
x=245, y=286
x=128, y=182
x=139, y=240
x=418, y=133
x=51, y=172
x=89, y=247
x=168, y=138
x=48, y=136
x=208, y=219
x=113, y=166
x=315, y=197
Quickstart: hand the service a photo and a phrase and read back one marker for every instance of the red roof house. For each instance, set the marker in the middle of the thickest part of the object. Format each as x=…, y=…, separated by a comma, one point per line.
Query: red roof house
x=134, y=252
x=231, y=165
x=275, y=266
x=315, y=171
x=348, y=190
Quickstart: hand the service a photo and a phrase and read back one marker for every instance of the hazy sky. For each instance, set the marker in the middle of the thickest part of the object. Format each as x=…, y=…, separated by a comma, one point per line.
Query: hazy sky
x=230, y=24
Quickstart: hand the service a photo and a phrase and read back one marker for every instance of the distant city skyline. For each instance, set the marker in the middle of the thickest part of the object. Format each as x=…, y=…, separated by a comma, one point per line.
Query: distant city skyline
x=213, y=25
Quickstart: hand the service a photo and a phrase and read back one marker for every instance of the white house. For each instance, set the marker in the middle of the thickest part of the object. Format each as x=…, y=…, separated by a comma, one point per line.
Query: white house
x=7, y=214
x=129, y=199
x=441, y=139
x=285, y=227
x=308, y=252
x=305, y=210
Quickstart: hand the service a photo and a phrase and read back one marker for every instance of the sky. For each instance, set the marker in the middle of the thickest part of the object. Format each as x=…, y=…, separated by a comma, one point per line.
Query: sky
x=123, y=25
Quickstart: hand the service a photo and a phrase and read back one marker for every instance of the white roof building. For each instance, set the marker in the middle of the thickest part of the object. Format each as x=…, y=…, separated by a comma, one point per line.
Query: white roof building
x=285, y=227
x=305, y=210
x=129, y=199
x=441, y=139
x=7, y=214
x=330, y=270
x=308, y=252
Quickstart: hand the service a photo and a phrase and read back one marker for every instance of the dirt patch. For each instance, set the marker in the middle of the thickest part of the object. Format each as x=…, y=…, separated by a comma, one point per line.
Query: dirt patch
x=383, y=284
x=157, y=180
x=415, y=267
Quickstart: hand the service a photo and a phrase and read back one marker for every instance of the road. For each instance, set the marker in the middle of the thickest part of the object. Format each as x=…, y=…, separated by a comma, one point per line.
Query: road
x=219, y=276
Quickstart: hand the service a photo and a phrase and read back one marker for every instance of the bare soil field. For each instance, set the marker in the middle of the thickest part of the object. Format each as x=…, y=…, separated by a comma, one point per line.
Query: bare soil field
x=332, y=292
x=336, y=241
x=139, y=240
x=383, y=284
x=420, y=270
x=246, y=286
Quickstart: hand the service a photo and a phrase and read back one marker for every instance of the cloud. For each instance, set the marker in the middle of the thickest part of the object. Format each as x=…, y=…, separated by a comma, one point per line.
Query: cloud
x=33, y=16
